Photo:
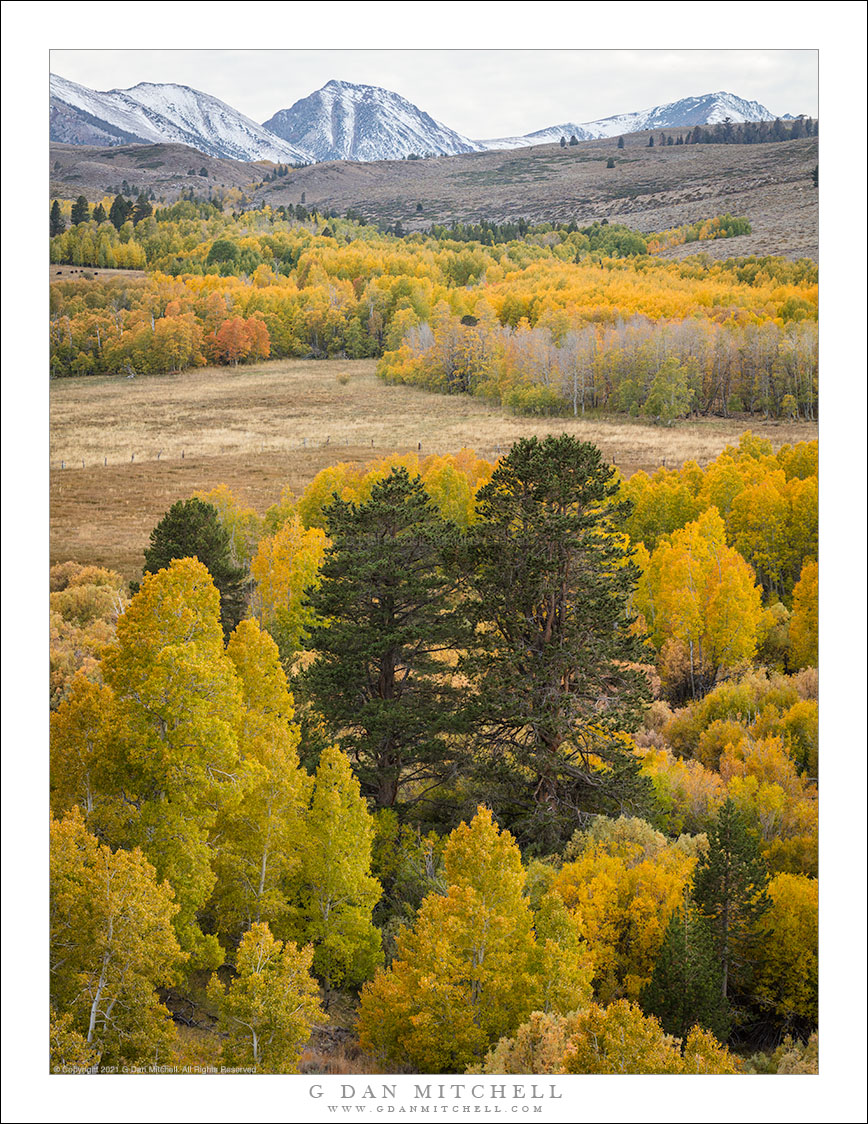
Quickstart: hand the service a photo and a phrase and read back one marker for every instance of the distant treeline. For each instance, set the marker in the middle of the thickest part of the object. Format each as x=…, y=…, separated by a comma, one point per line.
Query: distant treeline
x=752, y=132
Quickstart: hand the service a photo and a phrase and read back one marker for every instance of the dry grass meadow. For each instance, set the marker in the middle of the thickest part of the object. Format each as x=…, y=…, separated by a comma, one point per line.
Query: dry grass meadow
x=123, y=450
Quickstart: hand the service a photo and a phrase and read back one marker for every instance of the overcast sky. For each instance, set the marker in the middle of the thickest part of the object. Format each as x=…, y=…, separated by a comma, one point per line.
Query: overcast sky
x=480, y=93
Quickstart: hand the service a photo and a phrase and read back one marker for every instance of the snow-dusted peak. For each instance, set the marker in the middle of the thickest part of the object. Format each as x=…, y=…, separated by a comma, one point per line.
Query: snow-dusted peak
x=350, y=121
x=153, y=112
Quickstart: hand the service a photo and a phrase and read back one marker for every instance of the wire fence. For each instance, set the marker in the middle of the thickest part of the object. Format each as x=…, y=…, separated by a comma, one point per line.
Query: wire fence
x=483, y=450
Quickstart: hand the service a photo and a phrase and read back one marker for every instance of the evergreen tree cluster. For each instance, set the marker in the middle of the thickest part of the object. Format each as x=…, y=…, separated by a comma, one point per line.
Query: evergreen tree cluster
x=532, y=601
x=753, y=132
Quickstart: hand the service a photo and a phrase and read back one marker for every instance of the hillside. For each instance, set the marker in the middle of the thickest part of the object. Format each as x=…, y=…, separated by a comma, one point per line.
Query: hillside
x=165, y=169
x=650, y=189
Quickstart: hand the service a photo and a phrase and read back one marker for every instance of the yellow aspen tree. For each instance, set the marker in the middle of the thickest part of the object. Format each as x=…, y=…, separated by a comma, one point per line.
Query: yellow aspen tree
x=804, y=629
x=268, y=1009
x=111, y=945
x=81, y=733
x=285, y=565
x=334, y=893
x=701, y=594
x=241, y=522
x=620, y=1039
x=470, y=970
x=177, y=714
x=621, y=892
x=257, y=837
x=786, y=979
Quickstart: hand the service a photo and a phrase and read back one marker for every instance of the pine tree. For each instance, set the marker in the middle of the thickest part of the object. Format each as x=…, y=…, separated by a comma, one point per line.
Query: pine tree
x=192, y=529
x=99, y=214
x=685, y=988
x=119, y=211
x=730, y=890
x=142, y=208
x=57, y=223
x=387, y=597
x=554, y=690
x=80, y=211
x=620, y=142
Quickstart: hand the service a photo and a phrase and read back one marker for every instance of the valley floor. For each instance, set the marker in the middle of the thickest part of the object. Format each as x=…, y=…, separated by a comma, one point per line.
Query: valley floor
x=150, y=441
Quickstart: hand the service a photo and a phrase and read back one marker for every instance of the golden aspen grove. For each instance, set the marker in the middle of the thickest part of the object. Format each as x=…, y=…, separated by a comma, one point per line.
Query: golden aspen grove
x=445, y=763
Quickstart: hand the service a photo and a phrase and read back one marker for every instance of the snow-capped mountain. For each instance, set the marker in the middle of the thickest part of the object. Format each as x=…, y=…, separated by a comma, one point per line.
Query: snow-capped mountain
x=341, y=121
x=704, y=110
x=162, y=112
x=345, y=121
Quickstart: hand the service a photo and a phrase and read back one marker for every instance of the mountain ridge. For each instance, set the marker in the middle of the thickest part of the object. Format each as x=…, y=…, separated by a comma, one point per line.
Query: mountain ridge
x=703, y=109
x=164, y=112
x=340, y=121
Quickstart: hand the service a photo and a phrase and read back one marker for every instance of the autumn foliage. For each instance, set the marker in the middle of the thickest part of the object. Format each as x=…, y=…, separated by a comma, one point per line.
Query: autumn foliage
x=206, y=826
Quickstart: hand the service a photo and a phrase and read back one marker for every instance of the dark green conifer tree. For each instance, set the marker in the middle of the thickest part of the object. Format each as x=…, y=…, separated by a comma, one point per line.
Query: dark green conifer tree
x=685, y=988
x=391, y=617
x=119, y=211
x=730, y=891
x=142, y=208
x=554, y=676
x=80, y=211
x=192, y=529
x=57, y=223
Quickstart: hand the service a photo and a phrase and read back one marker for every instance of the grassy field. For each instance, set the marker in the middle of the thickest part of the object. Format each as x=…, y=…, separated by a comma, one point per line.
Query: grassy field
x=88, y=273
x=123, y=450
